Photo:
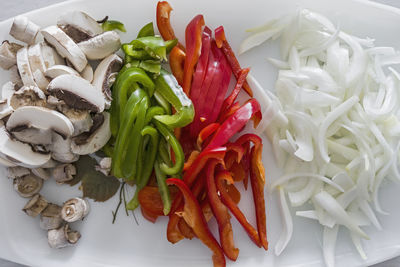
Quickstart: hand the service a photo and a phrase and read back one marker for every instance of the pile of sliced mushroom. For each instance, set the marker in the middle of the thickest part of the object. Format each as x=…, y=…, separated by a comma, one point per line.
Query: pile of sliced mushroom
x=53, y=110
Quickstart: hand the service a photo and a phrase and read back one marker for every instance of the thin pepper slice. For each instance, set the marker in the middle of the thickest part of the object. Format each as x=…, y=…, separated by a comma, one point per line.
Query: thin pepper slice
x=121, y=147
x=168, y=87
x=221, y=214
x=257, y=186
x=146, y=30
x=163, y=187
x=205, y=133
x=162, y=102
x=190, y=160
x=178, y=152
x=193, y=35
x=176, y=62
x=110, y=25
x=149, y=159
x=193, y=215
x=230, y=56
x=150, y=200
x=163, y=22
x=153, y=45
x=153, y=111
x=221, y=177
x=129, y=166
x=126, y=80
x=235, y=123
x=234, y=94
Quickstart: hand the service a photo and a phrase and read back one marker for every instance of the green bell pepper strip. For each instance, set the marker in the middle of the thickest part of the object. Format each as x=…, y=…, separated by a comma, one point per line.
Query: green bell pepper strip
x=121, y=148
x=149, y=159
x=153, y=45
x=153, y=111
x=134, y=53
x=110, y=25
x=128, y=166
x=163, y=187
x=147, y=30
x=176, y=147
x=163, y=152
x=125, y=81
x=162, y=102
x=153, y=66
x=167, y=86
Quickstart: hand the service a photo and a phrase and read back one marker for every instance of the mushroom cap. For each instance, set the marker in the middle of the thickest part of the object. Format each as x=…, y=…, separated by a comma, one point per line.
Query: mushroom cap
x=101, y=46
x=7, y=90
x=5, y=109
x=18, y=171
x=61, y=149
x=65, y=46
x=62, y=237
x=64, y=173
x=81, y=119
x=18, y=152
x=35, y=205
x=24, y=67
x=96, y=140
x=41, y=173
x=40, y=118
x=75, y=209
x=50, y=218
x=28, y=185
x=77, y=93
x=50, y=56
x=103, y=73
x=57, y=70
x=87, y=73
x=80, y=21
x=7, y=163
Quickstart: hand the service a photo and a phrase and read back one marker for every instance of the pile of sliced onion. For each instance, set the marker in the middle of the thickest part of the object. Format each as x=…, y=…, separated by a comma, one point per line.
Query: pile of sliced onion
x=333, y=124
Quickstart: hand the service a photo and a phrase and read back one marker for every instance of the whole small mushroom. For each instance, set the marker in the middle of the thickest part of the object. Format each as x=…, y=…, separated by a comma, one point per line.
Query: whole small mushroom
x=75, y=209
x=50, y=218
x=35, y=205
x=62, y=237
x=28, y=185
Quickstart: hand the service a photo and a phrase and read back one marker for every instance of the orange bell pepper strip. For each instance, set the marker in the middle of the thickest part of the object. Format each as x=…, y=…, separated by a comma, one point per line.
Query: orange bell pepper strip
x=221, y=214
x=205, y=133
x=164, y=24
x=195, y=219
x=222, y=43
x=177, y=62
x=193, y=37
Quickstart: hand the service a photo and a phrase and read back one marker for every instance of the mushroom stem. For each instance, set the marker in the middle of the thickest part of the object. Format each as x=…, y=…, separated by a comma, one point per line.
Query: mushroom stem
x=64, y=173
x=50, y=218
x=28, y=185
x=75, y=209
x=24, y=30
x=62, y=237
x=35, y=205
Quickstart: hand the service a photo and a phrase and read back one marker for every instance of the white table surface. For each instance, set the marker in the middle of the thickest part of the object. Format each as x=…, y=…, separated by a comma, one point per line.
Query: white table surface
x=11, y=8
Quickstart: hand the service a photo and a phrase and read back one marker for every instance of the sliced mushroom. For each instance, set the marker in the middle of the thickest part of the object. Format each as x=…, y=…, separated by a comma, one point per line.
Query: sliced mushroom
x=24, y=67
x=64, y=173
x=15, y=77
x=77, y=93
x=5, y=109
x=28, y=96
x=79, y=25
x=75, y=209
x=41, y=173
x=101, y=45
x=58, y=70
x=35, y=205
x=40, y=118
x=18, y=171
x=28, y=185
x=81, y=119
x=8, y=90
x=8, y=54
x=37, y=65
x=24, y=30
x=18, y=152
x=50, y=56
x=87, y=73
x=105, y=75
x=62, y=237
x=61, y=149
x=65, y=46
x=97, y=139
x=50, y=218
x=49, y=164
x=7, y=163
x=104, y=166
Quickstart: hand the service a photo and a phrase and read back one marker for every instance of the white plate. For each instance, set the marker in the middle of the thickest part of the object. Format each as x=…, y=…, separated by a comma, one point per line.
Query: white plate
x=128, y=244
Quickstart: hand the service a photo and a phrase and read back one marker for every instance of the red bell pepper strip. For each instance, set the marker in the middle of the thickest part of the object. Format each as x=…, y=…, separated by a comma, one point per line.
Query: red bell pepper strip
x=148, y=215
x=257, y=186
x=221, y=177
x=190, y=160
x=194, y=217
x=150, y=200
x=176, y=62
x=201, y=68
x=233, y=108
x=185, y=229
x=245, y=162
x=237, y=172
x=193, y=34
x=230, y=56
x=221, y=214
x=233, y=193
x=235, y=92
x=205, y=133
x=235, y=123
x=164, y=24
